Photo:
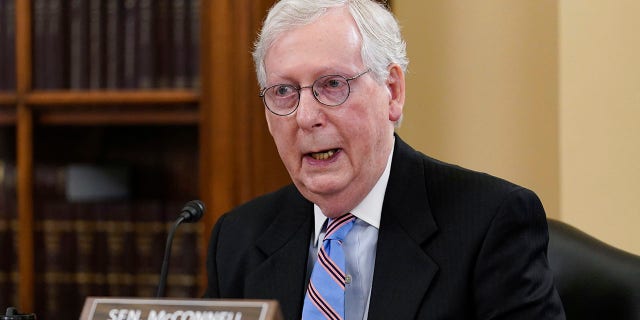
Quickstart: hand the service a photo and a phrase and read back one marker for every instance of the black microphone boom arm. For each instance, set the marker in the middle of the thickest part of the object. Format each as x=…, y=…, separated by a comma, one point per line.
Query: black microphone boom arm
x=191, y=212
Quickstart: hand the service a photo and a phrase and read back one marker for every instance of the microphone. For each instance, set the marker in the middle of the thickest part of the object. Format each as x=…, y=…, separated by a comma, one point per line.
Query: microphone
x=190, y=213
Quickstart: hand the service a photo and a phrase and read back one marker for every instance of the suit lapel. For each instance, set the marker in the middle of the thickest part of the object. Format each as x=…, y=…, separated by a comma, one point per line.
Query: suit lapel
x=285, y=247
x=403, y=271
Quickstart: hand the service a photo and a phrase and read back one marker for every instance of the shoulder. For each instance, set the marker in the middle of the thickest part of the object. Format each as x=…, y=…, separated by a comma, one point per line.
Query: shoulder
x=445, y=178
x=263, y=209
x=449, y=180
x=283, y=209
x=480, y=193
x=452, y=190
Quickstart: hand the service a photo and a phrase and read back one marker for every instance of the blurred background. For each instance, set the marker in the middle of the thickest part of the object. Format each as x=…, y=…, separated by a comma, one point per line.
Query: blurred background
x=113, y=114
x=543, y=93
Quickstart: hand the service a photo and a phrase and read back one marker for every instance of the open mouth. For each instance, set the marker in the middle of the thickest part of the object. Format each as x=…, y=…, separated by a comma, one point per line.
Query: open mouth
x=324, y=155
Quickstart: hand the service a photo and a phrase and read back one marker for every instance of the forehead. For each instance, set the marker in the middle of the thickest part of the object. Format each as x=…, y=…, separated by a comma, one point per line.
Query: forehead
x=331, y=43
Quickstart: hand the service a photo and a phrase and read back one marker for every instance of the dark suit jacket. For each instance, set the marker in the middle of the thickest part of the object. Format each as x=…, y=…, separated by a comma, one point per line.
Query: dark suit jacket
x=452, y=244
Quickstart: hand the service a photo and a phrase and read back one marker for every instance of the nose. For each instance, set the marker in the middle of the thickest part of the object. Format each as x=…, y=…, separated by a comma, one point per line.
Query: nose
x=310, y=113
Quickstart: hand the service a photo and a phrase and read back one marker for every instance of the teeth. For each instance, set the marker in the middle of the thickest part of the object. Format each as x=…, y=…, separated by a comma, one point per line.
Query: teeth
x=323, y=155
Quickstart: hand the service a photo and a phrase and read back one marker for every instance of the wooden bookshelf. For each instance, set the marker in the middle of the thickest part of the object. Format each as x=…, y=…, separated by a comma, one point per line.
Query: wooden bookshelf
x=111, y=97
x=119, y=118
x=224, y=108
x=7, y=99
x=7, y=109
x=7, y=118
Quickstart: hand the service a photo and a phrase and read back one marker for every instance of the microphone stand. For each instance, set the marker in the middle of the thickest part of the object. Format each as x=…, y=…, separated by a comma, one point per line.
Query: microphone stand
x=165, y=260
x=191, y=212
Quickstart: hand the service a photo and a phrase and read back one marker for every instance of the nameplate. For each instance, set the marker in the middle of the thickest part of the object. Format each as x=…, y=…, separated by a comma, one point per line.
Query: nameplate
x=105, y=308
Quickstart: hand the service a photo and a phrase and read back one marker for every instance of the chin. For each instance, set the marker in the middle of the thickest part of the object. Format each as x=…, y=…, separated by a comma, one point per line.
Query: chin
x=317, y=189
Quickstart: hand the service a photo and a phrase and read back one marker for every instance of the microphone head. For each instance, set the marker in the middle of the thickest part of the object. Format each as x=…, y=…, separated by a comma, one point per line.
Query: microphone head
x=192, y=211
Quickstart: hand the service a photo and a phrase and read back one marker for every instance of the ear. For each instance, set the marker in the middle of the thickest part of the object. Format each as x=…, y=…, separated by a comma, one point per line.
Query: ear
x=396, y=86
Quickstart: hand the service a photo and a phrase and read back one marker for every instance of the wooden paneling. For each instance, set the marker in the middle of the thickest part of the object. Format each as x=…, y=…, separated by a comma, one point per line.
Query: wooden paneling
x=238, y=159
x=25, y=157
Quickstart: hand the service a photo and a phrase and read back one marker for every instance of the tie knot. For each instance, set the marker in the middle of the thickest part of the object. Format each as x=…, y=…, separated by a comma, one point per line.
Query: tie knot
x=338, y=228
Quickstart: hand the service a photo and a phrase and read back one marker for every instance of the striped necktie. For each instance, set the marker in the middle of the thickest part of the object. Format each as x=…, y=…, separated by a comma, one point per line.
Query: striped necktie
x=325, y=294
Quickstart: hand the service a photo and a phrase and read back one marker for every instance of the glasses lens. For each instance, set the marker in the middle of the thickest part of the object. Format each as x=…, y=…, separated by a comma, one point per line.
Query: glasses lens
x=331, y=90
x=281, y=99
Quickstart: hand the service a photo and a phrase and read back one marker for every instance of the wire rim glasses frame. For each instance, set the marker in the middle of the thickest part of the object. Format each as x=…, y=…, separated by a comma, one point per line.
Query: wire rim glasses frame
x=329, y=90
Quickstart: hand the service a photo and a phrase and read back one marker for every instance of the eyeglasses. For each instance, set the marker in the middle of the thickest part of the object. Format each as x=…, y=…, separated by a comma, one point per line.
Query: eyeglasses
x=330, y=90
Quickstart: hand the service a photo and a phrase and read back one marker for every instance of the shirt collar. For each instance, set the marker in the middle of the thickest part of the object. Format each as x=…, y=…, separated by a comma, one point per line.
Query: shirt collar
x=369, y=210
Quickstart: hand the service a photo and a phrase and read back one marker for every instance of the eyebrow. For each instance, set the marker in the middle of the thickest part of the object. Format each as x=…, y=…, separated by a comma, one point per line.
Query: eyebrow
x=325, y=72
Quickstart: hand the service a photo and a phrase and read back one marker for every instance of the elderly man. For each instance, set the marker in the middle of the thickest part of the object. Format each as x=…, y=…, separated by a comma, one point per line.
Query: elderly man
x=370, y=228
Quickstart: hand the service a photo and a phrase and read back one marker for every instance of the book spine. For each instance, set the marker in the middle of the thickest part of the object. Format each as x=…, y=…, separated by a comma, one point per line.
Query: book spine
x=4, y=67
x=7, y=45
x=163, y=41
x=54, y=51
x=8, y=231
x=78, y=46
x=10, y=40
x=130, y=43
x=87, y=253
x=113, y=45
x=193, y=63
x=145, y=53
x=179, y=44
x=40, y=66
x=97, y=215
x=150, y=238
x=55, y=262
x=96, y=45
x=120, y=250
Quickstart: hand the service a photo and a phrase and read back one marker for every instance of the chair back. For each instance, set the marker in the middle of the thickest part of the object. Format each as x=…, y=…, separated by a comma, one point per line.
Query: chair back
x=594, y=279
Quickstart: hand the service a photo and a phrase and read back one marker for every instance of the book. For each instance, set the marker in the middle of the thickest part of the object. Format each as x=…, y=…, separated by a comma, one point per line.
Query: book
x=113, y=45
x=54, y=49
x=79, y=44
x=96, y=44
x=146, y=48
x=8, y=230
x=39, y=57
x=7, y=45
x=180, y=48
x=163, y=43
x=88, y=253
x=117, y=226
x=130, y=41
x=112, y=248
x=10, y=49
x=193, y=47
x=55, y=249
x=150, y=237
x=4, y=67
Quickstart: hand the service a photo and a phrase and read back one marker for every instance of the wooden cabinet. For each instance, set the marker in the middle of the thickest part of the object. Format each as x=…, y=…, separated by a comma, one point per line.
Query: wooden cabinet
x=221, y=117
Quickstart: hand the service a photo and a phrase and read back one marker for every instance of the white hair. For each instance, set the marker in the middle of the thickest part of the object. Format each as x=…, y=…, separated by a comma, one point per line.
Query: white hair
x=382, y=43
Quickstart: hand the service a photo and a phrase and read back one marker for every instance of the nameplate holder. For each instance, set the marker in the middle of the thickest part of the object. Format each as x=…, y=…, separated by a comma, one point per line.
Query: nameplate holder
x=113, y=308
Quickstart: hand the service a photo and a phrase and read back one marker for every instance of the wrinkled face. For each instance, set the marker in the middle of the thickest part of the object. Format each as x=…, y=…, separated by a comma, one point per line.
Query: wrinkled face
x=334, y=155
